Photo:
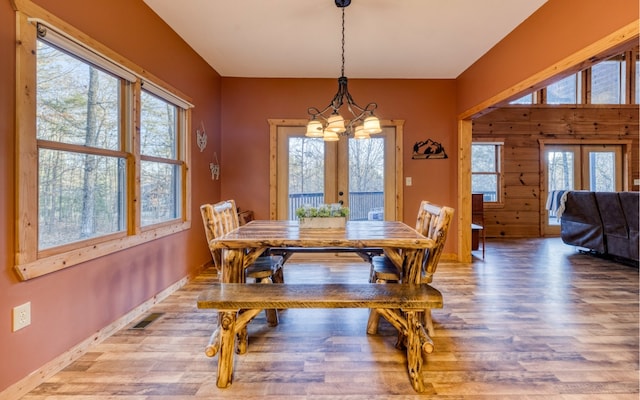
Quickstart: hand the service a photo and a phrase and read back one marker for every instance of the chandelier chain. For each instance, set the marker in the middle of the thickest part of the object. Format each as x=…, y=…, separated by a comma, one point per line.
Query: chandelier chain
x=330, y=126
x=342, y=70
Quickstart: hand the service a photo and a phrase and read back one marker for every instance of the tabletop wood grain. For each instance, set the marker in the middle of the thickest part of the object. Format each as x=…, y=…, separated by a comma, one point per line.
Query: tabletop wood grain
x=357, y=234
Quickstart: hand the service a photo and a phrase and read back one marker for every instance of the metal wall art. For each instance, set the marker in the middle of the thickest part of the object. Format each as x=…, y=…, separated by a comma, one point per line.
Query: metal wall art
x=201, y=137
x=428, y=149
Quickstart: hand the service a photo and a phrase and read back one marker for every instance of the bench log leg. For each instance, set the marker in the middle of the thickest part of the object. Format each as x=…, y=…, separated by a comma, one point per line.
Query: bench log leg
x=414, y=352
x=227, y=340
x=214, y=343
x=244, y=317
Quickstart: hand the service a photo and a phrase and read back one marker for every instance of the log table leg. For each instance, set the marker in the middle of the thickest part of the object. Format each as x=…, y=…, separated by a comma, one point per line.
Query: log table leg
x=227, y=341
x=414, y=352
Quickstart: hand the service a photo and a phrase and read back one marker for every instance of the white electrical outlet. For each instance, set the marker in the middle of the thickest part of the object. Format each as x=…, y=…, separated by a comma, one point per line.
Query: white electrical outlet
x=21, y=316
x=408, y=181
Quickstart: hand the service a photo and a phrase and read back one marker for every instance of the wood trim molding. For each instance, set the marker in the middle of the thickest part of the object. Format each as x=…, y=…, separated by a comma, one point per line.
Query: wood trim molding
x=54, y=366
x=465, y=128
x=273, y=161
x=601, y=49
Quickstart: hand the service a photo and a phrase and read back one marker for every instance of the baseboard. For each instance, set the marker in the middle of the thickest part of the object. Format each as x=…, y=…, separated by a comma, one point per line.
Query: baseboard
x=33, y=380
x=448, y=257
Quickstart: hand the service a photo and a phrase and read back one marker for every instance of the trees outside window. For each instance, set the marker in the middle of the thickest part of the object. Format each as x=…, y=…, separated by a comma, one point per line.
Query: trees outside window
x=486, y=170
x=89, y=183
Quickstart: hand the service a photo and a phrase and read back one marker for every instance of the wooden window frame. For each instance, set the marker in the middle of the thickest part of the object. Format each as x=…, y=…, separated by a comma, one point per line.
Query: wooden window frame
x=499, y=148
x=29, y=262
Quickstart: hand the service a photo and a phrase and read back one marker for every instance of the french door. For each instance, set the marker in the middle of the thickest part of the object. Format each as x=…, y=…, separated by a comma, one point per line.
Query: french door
x=360, y=174
x=595, y=167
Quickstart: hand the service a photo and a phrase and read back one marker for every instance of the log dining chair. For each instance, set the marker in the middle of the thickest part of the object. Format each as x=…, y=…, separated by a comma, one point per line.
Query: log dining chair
x=221, y=218
x=433, y=222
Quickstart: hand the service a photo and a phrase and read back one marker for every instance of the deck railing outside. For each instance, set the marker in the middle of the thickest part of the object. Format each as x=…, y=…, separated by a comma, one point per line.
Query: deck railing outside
x=362, y=205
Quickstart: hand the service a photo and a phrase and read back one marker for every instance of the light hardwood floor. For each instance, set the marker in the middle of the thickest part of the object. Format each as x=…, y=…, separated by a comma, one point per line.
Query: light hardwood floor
x=534, y=320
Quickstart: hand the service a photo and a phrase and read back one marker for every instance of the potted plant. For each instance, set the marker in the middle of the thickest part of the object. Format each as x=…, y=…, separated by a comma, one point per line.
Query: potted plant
x=325, y=216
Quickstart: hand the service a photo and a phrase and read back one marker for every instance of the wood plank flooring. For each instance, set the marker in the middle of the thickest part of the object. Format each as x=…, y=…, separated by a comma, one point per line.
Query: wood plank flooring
x=535, y=320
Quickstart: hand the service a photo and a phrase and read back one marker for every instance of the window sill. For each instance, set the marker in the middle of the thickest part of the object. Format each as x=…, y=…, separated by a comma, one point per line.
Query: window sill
x=57, y=262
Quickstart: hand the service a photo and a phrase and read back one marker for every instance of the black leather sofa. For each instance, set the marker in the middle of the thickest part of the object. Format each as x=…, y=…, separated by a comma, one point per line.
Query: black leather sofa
x=603, y=222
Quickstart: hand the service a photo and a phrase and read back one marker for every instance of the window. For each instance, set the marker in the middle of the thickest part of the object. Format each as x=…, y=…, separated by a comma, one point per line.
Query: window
x=486, y=170
x=159, y=170
x=637, y=76
x=565, y=91
x=79, y=153
x=608, y=81
x=80, y=170
x=530, y=98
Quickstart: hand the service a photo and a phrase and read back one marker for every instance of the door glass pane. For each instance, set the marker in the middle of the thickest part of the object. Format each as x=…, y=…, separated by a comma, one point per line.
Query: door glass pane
x=602, y=172
x=561, y=167
x=561, y=170
x=366, y=179
x=306, y=173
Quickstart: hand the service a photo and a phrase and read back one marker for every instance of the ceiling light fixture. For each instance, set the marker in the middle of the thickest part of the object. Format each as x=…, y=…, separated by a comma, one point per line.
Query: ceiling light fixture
x=331, y=127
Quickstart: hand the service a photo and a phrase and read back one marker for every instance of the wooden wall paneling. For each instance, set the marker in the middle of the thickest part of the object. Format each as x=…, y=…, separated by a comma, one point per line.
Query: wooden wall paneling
x=521, y=128
x=521, y=178
x=512, y=165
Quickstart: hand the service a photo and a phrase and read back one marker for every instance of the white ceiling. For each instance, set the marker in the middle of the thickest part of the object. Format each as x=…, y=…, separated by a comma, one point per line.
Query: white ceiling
x=418, y=39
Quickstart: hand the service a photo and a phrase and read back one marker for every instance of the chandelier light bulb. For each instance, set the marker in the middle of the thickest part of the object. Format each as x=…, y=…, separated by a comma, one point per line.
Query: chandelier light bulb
x=335, y=123
x=314, y=129
x=330, y=136
x=361, y=133
x=372, y=124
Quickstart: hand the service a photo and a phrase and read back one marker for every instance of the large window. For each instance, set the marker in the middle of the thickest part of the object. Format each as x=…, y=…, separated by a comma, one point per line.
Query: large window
x=486, y=170
x=612, y=81
x=565, y=91
x=608, y=81
x=160, y=167
x=80, y=173
x=89, y=183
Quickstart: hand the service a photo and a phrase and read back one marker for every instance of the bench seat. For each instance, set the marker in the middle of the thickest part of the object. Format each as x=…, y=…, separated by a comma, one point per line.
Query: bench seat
x=238, y=303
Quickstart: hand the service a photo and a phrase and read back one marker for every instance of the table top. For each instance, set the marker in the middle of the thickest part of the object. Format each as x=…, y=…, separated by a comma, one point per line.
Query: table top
x=356, y=234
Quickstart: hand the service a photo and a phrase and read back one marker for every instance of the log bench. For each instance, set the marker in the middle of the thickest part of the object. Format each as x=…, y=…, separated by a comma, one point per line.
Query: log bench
x=239, y=303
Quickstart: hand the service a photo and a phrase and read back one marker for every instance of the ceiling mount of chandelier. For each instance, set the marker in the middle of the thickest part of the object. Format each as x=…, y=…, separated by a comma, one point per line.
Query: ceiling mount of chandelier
x=328, y=123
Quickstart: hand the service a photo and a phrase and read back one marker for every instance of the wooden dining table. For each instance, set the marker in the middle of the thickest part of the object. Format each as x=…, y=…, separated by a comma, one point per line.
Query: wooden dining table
x=401, y=243
x=404, y=246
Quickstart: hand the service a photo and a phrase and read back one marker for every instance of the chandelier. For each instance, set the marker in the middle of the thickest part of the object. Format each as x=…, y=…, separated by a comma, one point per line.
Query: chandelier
x=328, y=123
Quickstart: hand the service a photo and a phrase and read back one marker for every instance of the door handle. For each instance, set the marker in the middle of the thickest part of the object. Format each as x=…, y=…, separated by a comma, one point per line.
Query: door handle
x=340, y=193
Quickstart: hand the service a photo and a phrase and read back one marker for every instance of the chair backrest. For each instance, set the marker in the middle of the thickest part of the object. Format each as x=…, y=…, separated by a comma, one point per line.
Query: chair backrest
x=433, y=222
x=218, y=219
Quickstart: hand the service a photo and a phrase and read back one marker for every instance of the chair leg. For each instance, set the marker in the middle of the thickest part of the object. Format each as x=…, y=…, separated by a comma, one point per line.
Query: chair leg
x=272, y=314
x=428, y=321
x=278, y=276
x=372, y=323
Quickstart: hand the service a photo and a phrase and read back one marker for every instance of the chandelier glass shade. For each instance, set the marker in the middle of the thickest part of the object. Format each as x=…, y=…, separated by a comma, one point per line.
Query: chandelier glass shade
x=328, y=123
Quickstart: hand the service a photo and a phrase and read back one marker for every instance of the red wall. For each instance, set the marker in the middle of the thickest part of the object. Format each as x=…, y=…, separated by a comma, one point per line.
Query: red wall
x=70, y=305
x=427, y=106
